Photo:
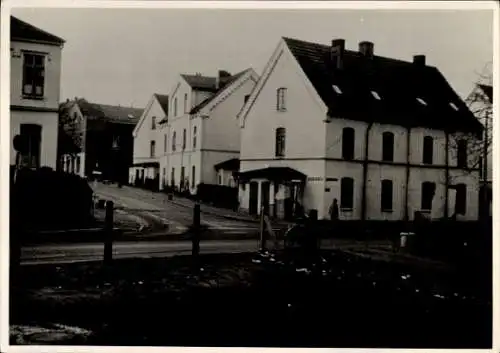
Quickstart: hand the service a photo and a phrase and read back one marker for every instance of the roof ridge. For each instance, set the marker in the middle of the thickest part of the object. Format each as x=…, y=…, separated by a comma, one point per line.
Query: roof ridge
x=113, y=105
x=350, y=51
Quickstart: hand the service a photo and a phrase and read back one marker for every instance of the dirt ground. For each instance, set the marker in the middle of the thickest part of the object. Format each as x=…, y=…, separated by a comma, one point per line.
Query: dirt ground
x=241, y=300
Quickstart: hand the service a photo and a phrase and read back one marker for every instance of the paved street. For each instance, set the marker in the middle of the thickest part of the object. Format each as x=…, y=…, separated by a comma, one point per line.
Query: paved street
x=156, y=209
x=80, y=252
x=62, y=253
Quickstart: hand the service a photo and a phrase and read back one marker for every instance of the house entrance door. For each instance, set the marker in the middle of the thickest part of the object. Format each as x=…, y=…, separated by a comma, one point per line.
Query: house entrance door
x=253, y=199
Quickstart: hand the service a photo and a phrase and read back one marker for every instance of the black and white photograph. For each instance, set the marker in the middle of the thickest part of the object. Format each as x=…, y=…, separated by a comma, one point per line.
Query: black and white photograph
x=248, y=174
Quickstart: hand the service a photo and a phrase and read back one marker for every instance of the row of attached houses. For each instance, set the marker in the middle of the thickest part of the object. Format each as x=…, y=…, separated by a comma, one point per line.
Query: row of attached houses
x=383, y=137
x=192, y=135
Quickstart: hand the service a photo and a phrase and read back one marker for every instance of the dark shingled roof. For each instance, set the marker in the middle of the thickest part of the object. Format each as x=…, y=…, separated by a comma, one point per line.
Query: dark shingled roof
x=111, y=113
x=230, y=164
x=163, y=100
x=227, y=82
x=488, y=91
x=200, y=82
x=22, y=31
x=398, y=83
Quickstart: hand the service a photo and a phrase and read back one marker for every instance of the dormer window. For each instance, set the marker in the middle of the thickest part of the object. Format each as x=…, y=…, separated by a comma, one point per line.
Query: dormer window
x=375, y=95
x=421, y=101
x=337, y=89
x=453, y=106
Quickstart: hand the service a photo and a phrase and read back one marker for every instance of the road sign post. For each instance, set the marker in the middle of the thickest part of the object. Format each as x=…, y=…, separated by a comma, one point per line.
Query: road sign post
x=195, y=237
x=108, y=232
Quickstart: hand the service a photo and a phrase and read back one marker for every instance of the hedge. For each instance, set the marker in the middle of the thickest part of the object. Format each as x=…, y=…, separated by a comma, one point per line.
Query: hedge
x=46, y=199
x=218, y=195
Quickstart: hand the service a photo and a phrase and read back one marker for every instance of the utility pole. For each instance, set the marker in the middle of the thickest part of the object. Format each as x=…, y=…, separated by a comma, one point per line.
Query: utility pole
x=485, y=168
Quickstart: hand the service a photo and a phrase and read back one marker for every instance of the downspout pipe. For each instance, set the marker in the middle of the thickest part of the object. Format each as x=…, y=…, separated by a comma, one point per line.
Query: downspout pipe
x=407, y=183
x=365, y=171
x=447, y=174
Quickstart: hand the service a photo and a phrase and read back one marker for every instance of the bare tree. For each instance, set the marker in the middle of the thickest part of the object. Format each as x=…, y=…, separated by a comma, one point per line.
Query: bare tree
x=479, y=148
x=70, y=133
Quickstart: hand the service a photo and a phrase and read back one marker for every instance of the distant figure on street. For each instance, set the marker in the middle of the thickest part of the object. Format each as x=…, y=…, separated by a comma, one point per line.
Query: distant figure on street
x=334, y=210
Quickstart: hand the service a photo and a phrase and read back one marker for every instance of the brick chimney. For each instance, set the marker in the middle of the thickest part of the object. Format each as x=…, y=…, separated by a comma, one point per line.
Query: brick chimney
x=337, y=53
x=366, y=49
x=222, y=79
x=419, y=60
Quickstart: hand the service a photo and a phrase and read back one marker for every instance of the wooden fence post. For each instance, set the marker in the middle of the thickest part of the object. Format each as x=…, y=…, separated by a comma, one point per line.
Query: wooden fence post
x=108, y=232
x=196, y=234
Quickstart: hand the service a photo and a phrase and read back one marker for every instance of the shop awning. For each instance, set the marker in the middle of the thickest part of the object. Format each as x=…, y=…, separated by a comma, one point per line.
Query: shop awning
x=273, y=174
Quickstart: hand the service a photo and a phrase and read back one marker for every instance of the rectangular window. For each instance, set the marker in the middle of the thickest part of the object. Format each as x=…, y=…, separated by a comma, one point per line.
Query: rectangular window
x=175, y=107
x=172, y=177
x=152, y=147
x=184, y=136
x=194, y=137
x=220, y=178
x=347, y=193
x=461, y=199
x=165, y=143
x=246, y=98
x=78, y=164
x=428, y=191
x=153, y=123
x=428, y=150
x=32, y=134
x=174, y=137
x=280, y=142
x=280, y=99
x=462, y=154
x=33, y=75
x=185, y=103
x=388, y=146
x=193, y=176
x=164, y=176
x=183, y=175
x=348, y=143
x=387, y=195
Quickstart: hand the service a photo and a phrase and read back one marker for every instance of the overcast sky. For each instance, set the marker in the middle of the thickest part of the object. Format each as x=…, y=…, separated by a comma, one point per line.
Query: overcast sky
x=122, y=56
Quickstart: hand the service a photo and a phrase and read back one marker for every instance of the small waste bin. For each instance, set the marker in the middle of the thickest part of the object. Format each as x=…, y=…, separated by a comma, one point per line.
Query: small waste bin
x=405, y=239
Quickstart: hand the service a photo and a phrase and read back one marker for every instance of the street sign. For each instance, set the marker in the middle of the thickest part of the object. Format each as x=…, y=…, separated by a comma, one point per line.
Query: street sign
x=20, y=143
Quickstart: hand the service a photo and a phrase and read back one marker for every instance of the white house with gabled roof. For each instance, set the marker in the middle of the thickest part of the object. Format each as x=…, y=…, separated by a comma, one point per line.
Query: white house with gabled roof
x=198, y=131
x=148, y=141
x=373, y=133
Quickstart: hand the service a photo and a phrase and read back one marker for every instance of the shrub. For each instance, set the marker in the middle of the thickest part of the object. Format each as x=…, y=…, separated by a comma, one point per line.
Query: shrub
x=218, y=195
x=45, y=199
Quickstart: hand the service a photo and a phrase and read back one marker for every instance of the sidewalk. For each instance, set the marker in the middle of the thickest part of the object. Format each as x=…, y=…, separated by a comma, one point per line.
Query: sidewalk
x=225, y=213
x=212, y=210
